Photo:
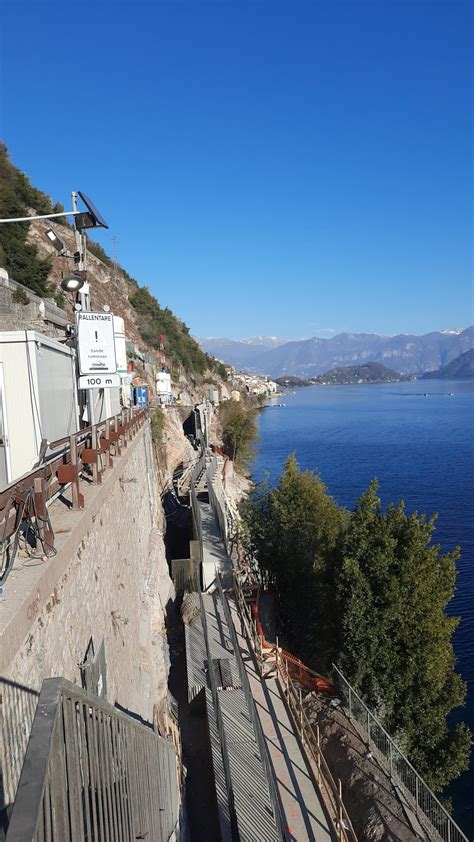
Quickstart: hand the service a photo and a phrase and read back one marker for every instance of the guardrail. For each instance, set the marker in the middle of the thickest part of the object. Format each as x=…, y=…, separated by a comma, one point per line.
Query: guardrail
x=425, y=801
x=93, y=772
x=91, y=449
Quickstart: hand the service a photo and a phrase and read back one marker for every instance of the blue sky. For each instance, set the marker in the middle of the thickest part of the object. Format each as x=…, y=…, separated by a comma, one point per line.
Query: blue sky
x=287, y=168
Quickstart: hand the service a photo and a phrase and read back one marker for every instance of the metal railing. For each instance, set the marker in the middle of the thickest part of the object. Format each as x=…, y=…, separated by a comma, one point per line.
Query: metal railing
x=91, y=449
x=92, y=772
x=270, y=660
x=425, y=801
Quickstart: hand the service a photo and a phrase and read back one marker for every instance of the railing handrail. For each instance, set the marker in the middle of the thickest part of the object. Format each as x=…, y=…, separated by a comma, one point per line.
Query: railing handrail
x=91, y=446
x=307, y=734
x=48, y=742
x=393, y=744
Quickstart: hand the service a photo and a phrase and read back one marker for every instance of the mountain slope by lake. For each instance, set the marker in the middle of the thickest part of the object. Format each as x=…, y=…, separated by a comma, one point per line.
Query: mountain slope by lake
x=461, y=368
x=404, y=353
x=353, y=374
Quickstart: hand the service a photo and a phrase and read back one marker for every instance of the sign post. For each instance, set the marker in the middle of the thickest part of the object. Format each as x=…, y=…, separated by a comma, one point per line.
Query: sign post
x=96, y=343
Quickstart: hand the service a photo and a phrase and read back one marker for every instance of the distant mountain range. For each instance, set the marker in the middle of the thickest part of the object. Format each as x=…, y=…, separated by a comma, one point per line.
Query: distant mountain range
x=404, y=353
x=461, y=368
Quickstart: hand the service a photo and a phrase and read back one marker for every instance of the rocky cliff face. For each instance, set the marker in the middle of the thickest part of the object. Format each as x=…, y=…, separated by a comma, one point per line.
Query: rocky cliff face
x=107, y=286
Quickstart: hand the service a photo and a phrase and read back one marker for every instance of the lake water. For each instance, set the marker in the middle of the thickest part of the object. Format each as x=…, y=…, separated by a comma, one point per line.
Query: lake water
x=420, y=448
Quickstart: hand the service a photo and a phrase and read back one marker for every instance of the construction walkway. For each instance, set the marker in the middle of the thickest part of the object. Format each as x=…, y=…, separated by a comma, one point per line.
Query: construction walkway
x=304, y=811
x=214, y=557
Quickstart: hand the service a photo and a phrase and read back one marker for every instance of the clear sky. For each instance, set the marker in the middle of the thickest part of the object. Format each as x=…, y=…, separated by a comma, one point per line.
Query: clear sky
x=283, y=168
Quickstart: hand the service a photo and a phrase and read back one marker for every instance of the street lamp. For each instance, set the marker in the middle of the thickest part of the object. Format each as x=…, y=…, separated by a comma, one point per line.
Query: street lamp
x=72, y=283
x=58, y=244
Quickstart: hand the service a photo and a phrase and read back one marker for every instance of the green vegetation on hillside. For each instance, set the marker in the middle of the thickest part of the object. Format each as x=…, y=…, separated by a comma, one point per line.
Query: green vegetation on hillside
x=368, y=591
x=18, y=257
x=353, y=374
x=155, y=321
x=239, y=430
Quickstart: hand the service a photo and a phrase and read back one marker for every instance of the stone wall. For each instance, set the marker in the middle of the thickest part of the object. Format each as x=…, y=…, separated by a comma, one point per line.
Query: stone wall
x=112, y=583
x=38, y=314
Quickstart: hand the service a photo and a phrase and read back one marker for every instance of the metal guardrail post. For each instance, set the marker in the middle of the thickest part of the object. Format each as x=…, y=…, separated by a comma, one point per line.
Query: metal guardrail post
x=70, y=474
x=42, y=512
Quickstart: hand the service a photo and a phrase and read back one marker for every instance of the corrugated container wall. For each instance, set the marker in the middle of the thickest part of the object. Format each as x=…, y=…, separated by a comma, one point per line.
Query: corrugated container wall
x=39, y=397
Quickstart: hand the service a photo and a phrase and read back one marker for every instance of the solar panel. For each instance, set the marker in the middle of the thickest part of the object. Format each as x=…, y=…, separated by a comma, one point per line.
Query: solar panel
x=99, y=220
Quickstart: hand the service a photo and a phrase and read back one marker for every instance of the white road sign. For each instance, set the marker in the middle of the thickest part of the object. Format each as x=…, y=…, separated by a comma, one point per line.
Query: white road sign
x=98, y=381
x=96, y=343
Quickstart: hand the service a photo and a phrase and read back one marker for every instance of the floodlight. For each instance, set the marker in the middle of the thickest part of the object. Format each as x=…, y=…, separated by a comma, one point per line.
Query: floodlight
x=58, y=244
x=72, y=283
x=93, y=219
x=106, y=308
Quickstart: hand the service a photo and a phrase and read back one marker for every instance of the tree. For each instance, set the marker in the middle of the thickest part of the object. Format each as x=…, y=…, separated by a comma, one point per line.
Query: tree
x=392, y=591
x=294, y=530
x=239, y=431
x=19, y=257
x=367, y=590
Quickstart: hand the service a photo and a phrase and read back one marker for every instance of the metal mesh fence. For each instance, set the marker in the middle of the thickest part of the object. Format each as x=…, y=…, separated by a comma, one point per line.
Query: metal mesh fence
x=425, y=801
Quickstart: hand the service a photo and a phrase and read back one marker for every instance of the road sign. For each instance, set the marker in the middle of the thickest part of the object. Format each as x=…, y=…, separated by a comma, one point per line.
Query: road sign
x=98, y=381
x=96, y=343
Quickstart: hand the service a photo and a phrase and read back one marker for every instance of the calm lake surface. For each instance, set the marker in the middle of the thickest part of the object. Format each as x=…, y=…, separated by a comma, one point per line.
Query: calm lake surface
x=420, y=448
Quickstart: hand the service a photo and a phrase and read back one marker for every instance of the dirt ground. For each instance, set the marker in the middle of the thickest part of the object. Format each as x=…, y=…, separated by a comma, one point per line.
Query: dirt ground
x=371, y=799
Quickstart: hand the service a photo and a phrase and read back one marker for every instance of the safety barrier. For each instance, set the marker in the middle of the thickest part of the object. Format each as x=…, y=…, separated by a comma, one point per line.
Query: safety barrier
x=91, y=449
x=93, y=772
x=425, y=801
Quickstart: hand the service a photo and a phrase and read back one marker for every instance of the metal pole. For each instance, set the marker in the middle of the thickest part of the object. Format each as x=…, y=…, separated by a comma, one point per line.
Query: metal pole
x=341, y=826
x=84, y=294
x=319, y=752
x=350, y=702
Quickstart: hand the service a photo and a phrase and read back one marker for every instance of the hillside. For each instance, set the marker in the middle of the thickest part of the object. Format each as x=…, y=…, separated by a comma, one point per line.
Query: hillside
x=348, y=375
x=29, y=257
x=307, y=358
x=461, y=368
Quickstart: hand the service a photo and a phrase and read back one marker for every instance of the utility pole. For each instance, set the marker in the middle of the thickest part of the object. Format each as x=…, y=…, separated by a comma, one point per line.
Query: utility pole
x=114, y=253
x=81, y=259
